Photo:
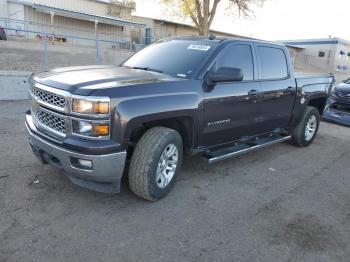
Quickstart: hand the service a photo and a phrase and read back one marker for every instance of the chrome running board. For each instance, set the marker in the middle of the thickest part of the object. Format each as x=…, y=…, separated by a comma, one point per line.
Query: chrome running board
x=221, y=154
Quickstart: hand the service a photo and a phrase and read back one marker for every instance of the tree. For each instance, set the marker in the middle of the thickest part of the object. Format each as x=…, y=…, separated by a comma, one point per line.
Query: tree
x=202, y=12
x=116, y=8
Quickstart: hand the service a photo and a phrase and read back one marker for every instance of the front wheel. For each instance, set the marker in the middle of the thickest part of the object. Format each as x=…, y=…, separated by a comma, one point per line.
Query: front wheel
x=155, y=163
x=306, y=131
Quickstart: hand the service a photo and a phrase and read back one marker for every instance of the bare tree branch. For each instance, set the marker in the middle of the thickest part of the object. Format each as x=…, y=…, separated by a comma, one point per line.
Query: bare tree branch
x=192, y=15
x=203, y=12
x=199, y=12
x=213, y=11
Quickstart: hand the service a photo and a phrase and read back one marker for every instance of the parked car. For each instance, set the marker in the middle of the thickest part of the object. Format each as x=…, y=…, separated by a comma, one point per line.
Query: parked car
x=2, y=34
x=337, y=109
x=215, y=97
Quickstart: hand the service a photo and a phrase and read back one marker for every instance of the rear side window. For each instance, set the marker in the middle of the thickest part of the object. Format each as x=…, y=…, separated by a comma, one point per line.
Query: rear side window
x=238, y=56
x=273, y=63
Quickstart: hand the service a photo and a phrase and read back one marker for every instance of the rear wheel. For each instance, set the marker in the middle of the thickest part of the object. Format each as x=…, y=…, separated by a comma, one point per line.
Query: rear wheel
x=155, y=163
x=306, y=131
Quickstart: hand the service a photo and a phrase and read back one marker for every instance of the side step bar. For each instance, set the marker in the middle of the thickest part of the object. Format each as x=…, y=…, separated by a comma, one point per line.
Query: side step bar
x=221, y=154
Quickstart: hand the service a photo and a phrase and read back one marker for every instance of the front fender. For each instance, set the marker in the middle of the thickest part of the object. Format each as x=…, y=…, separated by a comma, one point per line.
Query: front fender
x=133, y=112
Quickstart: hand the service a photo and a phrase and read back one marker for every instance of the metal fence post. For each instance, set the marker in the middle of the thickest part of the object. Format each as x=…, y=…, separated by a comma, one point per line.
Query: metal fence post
x=46, y=58
x=97, y=43
x=97, y=53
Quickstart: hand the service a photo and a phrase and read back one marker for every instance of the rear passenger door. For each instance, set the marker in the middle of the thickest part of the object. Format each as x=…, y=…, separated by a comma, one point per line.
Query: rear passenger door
x=278, y=88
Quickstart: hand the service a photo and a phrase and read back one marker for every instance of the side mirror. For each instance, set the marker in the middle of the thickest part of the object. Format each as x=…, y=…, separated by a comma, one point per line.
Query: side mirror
x=223, y=74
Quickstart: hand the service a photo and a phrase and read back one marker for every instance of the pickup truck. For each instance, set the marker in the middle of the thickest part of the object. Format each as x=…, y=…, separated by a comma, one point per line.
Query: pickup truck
x=197, y=95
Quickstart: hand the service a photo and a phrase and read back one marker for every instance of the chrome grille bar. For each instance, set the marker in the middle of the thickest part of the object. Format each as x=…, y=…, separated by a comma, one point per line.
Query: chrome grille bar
x=344, y=94
x=51, y=122
x=50, y=97
x=52, y=111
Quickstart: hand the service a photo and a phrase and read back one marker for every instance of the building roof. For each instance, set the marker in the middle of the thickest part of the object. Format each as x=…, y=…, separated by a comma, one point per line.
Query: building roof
x=84, y=16
x=224, y=39
x=317, y=41
x=125, y=4
x=293, y=46
x=192, y=26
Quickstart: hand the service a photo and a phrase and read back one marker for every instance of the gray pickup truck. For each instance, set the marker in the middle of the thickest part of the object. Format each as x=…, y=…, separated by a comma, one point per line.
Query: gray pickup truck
x=215, y=97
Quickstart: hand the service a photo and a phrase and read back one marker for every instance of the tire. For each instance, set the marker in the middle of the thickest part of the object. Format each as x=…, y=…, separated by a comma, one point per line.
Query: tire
x=300, y=136
x=149, y=162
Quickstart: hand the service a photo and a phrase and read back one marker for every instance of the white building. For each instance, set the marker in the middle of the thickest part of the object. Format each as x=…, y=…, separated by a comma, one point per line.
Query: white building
x=325, y=54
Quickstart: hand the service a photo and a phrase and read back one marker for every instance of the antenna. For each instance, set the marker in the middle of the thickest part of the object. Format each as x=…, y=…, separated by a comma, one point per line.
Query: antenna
x=211, y=37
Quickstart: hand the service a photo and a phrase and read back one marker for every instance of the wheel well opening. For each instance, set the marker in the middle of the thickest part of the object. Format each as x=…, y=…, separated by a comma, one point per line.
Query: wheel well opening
x=319, y=103
x=183, y=125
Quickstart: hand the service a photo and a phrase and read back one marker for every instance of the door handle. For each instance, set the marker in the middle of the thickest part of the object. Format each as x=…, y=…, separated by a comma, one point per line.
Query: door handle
x=253, y=92
x=290, y=88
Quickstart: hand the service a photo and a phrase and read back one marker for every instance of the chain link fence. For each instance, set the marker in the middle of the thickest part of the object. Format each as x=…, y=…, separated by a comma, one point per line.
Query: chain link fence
x=40, y=47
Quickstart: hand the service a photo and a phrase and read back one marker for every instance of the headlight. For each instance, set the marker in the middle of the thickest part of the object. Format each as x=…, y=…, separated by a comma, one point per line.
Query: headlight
x=91, y=106
x=90, y=128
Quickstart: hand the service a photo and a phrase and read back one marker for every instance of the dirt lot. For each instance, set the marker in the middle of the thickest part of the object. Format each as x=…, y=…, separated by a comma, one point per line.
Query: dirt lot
x=279, y=204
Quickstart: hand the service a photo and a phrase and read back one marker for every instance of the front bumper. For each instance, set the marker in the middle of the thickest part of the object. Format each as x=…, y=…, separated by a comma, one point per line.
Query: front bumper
x=104, y=175
x=335, y=115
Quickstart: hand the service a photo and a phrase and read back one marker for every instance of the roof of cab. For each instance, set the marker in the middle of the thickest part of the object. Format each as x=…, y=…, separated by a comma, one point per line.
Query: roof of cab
x=223, y=39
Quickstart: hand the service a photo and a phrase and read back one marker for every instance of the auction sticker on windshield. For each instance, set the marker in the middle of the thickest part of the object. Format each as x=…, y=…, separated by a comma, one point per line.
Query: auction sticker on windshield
x=199, y=47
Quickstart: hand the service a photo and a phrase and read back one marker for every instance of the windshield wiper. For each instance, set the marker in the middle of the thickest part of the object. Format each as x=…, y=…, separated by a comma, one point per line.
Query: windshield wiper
x=147, y=69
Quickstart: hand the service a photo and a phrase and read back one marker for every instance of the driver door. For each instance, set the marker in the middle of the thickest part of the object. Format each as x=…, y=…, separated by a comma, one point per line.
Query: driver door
x=232, y=110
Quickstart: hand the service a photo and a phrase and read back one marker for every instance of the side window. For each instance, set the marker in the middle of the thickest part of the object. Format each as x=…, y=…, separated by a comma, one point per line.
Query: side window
x=273, y=63
x=238, y=56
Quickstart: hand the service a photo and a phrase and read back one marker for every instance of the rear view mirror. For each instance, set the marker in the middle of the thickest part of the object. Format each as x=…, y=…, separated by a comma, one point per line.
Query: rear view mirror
x=224, y=74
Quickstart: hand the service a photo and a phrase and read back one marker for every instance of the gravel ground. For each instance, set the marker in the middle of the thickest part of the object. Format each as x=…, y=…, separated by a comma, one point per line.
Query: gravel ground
x=279, y=204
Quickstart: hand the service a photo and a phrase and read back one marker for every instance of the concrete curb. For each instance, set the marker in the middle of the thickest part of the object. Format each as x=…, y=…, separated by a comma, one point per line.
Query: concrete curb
x=14, y=85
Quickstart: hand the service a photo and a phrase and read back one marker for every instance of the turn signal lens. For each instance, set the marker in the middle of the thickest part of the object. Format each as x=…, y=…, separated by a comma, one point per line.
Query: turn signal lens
x=102, y=108
x=100, y=130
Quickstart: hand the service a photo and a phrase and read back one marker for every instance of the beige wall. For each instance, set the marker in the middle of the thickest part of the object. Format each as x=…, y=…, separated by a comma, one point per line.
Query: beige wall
x=67, y=26
x=85, y=6
x=164, y=29
x=3, y=9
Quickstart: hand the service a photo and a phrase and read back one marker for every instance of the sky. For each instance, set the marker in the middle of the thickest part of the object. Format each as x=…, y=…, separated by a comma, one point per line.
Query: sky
x=276, y=20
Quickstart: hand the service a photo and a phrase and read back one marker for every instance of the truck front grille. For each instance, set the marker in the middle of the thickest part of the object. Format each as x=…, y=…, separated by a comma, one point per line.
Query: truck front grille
x=48, y=97
x=49, y=120
x=344, y=94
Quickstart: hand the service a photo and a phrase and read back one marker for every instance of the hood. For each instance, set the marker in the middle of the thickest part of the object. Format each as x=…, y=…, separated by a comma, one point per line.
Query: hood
x=83, y=80
x=342, y=87
x=342, y=91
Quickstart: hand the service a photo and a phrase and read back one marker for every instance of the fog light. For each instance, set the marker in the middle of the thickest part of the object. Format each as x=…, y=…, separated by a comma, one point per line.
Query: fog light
x=85, y=163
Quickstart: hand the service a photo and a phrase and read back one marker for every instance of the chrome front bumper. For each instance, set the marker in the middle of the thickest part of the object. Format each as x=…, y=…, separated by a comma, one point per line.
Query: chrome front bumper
x=104, y=175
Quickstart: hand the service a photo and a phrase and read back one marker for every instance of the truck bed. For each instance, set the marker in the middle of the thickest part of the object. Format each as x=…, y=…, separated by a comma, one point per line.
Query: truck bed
x=303, y=80
x=309, y=79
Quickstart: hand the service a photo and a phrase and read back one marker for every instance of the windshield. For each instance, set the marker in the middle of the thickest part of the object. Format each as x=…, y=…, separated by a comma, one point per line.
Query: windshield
x=178, y=58
x=347, y=81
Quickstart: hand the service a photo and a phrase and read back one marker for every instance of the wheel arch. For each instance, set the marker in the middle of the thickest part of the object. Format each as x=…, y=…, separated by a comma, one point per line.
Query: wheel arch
x=319, y=103
x=182, y=124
